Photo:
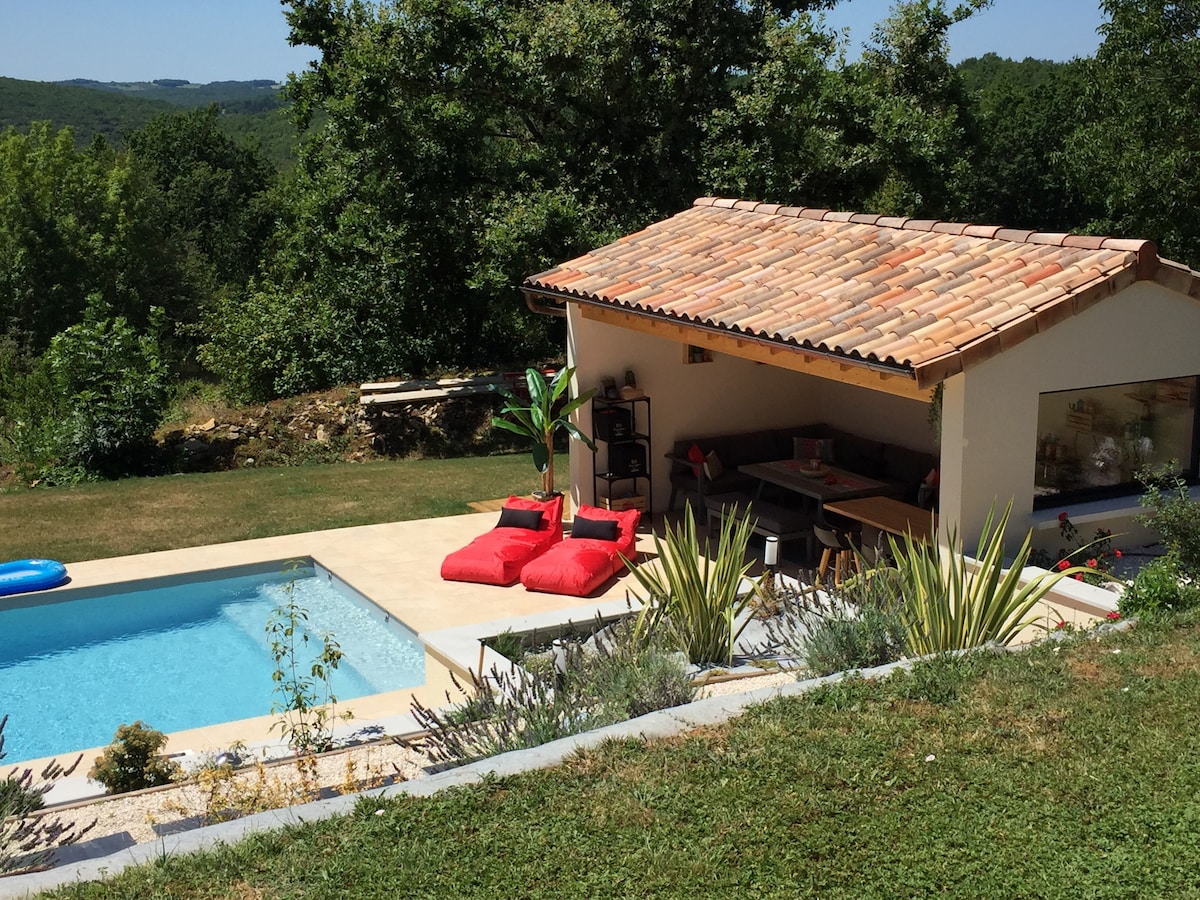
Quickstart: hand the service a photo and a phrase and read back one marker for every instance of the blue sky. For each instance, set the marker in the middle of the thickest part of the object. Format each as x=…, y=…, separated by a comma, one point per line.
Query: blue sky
x=222, y=40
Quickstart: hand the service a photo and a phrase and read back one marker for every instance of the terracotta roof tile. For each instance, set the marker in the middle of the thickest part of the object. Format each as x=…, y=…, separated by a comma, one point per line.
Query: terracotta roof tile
x=931, y=297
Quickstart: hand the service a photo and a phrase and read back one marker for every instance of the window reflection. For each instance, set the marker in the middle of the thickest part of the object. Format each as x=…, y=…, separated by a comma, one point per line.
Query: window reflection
x=1092, y=442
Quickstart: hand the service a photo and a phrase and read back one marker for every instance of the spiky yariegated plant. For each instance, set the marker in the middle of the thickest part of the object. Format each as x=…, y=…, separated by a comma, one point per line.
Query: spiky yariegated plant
x=950, y=604
x=695, y=595
x=542, y=417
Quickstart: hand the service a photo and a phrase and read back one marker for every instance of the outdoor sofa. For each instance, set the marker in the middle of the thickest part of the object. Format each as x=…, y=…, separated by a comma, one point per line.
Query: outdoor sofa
x=702, y=467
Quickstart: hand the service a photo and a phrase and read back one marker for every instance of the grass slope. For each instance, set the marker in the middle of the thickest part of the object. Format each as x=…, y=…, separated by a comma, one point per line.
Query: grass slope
x=1062, y=772
x=140, y=515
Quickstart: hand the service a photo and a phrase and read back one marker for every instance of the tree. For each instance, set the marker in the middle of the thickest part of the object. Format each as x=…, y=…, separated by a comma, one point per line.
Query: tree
x=1137, y=149
x=467, y=145
x=908, y=128
x=214, y=193
x=1026, y=112
x=76, y=224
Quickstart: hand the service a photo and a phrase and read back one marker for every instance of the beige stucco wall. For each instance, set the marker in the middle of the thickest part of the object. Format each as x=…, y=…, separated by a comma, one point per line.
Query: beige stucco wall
x=724, y=396
x=990, y=413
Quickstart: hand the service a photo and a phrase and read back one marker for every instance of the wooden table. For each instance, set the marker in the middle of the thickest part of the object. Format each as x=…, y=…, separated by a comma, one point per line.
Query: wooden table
x=829, y=484
x=888, y=514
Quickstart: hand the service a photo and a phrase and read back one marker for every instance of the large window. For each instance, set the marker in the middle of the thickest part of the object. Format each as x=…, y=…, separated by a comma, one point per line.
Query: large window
x=1091, y=442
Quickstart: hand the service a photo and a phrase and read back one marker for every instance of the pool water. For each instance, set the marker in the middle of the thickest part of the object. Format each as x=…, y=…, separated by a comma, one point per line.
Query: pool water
x=180, y=655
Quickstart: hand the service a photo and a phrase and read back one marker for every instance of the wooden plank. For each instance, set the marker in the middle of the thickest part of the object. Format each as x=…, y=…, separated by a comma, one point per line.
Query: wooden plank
x=796, y=359
x=417, y=396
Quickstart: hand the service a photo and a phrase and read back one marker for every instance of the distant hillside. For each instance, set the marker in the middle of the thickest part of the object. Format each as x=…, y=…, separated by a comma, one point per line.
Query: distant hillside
x=231, y=96
x=253, y=110
x=89, y=112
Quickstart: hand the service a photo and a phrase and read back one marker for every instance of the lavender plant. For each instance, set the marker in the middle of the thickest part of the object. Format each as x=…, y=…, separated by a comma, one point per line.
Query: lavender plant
x=607, y=680
x=28, y=836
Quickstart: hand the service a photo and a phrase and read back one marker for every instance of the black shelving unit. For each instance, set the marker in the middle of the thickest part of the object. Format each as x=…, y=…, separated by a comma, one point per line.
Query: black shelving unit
x=621, y=463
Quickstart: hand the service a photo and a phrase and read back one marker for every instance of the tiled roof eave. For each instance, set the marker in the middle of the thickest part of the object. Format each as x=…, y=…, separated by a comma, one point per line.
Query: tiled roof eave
x=888, y=366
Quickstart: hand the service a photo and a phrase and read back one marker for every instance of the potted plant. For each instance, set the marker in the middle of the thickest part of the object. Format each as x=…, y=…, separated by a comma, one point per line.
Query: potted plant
x=541, y=417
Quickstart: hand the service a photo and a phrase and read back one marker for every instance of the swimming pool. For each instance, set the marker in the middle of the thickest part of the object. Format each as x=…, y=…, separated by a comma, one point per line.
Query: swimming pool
x=179, y=653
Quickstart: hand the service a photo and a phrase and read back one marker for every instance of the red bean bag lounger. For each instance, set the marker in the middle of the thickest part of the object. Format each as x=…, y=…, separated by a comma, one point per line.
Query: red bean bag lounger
x=589, y=557
x=497, y=556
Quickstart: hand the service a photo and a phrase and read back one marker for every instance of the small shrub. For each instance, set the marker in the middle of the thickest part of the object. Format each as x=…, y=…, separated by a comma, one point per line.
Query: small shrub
x=1173, y=514
x=855, y=626
x=132, y=761
x=111, y=384
x=1159, y=587
x=631, y=680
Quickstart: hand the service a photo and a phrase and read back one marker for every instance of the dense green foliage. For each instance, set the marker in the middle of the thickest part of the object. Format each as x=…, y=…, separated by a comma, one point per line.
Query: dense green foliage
x=86, y=112
x=232, y=96
x=214, y=196
x=78, y=228
x=250, y=111
x=453, y=148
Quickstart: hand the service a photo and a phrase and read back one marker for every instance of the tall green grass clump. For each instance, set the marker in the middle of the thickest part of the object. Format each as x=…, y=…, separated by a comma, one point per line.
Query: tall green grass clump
x=949, y=604
x=694, y=595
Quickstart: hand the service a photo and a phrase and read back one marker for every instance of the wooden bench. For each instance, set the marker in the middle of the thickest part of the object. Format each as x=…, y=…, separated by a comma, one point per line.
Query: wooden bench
x=771, y=519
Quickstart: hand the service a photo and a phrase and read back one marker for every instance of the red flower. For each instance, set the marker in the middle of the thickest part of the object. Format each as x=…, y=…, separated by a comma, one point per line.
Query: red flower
x=1092, y=563
x=1064, y=564
x=1117, y=554
x=1062, y=517
x=1113, y=616
x=1079, y=576
x=1061, y=623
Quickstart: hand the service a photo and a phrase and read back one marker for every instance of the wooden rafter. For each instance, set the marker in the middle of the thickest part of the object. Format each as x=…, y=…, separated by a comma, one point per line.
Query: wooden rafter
x=795, y=359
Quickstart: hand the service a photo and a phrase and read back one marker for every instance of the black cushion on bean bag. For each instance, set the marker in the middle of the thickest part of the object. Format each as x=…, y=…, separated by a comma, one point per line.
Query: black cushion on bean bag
x=520, y=518
x=604, y=530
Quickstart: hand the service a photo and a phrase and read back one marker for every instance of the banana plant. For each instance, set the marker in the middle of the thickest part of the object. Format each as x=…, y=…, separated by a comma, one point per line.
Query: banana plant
x=543, y=416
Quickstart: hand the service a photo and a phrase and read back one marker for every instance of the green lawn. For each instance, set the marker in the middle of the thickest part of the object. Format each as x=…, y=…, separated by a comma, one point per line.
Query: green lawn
x=138, y=515
x=1065, y=772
